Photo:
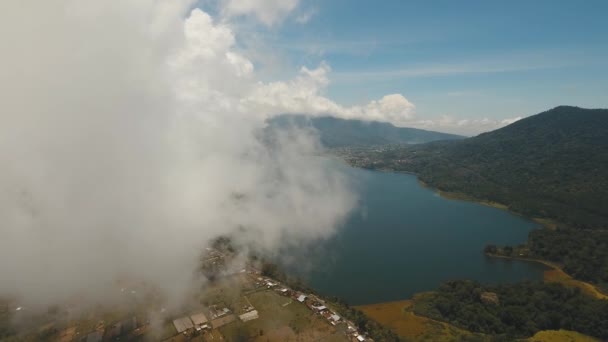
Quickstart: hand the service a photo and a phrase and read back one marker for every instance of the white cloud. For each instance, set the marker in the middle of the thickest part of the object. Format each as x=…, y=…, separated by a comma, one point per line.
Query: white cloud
x=304, y=94
x=305, y=16
x=469, y=127
x=492, y=65
x=268, y=12
x=231, y=78
x=509, y=121
x=123, y=141
x=392, y=108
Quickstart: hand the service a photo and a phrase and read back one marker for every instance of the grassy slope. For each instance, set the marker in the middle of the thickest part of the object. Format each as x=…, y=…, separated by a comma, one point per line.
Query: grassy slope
x=400, y=318
x=560, y=336
x=557, y=275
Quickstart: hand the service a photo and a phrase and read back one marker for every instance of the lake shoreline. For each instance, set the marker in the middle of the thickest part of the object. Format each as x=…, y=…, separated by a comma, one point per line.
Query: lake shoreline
x=399, y=317
x=563, y=277
x=461, y=196
x=544, y=262
x=567, y=279
x=398, y=214
x=457, y=196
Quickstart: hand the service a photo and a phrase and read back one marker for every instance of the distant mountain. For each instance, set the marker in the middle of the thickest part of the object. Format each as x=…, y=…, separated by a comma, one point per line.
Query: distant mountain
x=337, y=132
x=550, y=165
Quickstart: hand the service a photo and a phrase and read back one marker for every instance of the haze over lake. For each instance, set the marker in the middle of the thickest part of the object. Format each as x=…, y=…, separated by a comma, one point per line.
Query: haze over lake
x=406, y=239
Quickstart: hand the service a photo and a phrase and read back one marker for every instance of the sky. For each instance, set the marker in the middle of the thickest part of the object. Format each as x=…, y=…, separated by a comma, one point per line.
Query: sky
x=466, y=67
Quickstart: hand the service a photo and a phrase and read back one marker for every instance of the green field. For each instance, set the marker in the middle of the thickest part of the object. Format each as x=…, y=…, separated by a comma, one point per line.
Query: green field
x=281, y=319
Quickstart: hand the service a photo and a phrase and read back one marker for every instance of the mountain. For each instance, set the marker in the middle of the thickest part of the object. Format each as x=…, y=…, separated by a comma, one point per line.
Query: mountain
x=550, y=165
x=337, y=132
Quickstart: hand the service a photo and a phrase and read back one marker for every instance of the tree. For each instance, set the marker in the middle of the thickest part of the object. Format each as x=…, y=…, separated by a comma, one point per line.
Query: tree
x=490, y=249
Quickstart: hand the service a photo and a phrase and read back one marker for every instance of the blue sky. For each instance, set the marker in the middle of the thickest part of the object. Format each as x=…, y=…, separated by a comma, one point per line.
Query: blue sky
x=467, y=59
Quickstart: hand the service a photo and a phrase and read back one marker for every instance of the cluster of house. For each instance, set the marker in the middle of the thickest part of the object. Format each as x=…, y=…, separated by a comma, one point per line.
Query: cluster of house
x=127, y=327
x=213, y=263
x=316, y=305
x=121, y=328
x=217, y=315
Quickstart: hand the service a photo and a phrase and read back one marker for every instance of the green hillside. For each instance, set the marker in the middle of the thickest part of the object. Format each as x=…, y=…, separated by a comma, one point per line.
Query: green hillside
x=552, y=165
x=514, y=311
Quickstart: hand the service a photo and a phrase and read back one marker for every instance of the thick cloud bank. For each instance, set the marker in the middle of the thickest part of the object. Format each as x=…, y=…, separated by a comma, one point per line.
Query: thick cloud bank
x=129, y=138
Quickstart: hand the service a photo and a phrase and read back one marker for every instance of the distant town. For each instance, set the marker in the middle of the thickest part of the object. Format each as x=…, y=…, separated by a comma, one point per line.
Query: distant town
x=365, y=156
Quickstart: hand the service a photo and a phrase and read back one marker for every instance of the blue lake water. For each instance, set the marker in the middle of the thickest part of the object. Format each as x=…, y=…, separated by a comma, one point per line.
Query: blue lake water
x=405, y=239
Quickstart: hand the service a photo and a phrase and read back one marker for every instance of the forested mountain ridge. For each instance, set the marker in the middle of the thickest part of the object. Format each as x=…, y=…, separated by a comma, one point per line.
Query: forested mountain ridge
x=336, y=132
x=551, y=165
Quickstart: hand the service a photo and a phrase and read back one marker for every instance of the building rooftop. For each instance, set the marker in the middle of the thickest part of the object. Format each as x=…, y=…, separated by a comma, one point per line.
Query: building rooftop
x=248, y=316
x=183, y=324
x=199, y=318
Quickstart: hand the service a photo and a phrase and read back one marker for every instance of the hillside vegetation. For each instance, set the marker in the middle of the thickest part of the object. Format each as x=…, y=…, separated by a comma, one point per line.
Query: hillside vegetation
x=551, y=166
x=582, y=254
x=517, y=310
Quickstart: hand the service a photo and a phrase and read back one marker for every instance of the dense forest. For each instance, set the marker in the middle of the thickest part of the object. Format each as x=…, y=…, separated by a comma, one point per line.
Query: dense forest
x=515, y=311
x=582, y=253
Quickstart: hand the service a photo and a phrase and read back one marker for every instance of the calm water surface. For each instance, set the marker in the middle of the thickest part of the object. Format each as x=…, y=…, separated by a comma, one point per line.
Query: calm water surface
x=406, y=239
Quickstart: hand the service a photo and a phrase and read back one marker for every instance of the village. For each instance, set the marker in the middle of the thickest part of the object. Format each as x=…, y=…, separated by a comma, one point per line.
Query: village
x=239, y=305
x=209, y=321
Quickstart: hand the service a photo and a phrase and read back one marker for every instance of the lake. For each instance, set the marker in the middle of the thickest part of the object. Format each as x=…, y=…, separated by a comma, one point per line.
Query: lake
x=405, y=239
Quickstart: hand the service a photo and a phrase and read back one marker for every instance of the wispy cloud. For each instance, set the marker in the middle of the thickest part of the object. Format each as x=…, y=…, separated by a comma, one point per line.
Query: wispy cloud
x=305, y=16
x=359, y=47
x=464, y=126
x=442, y=70
x=463, y=93
x=492, y=64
